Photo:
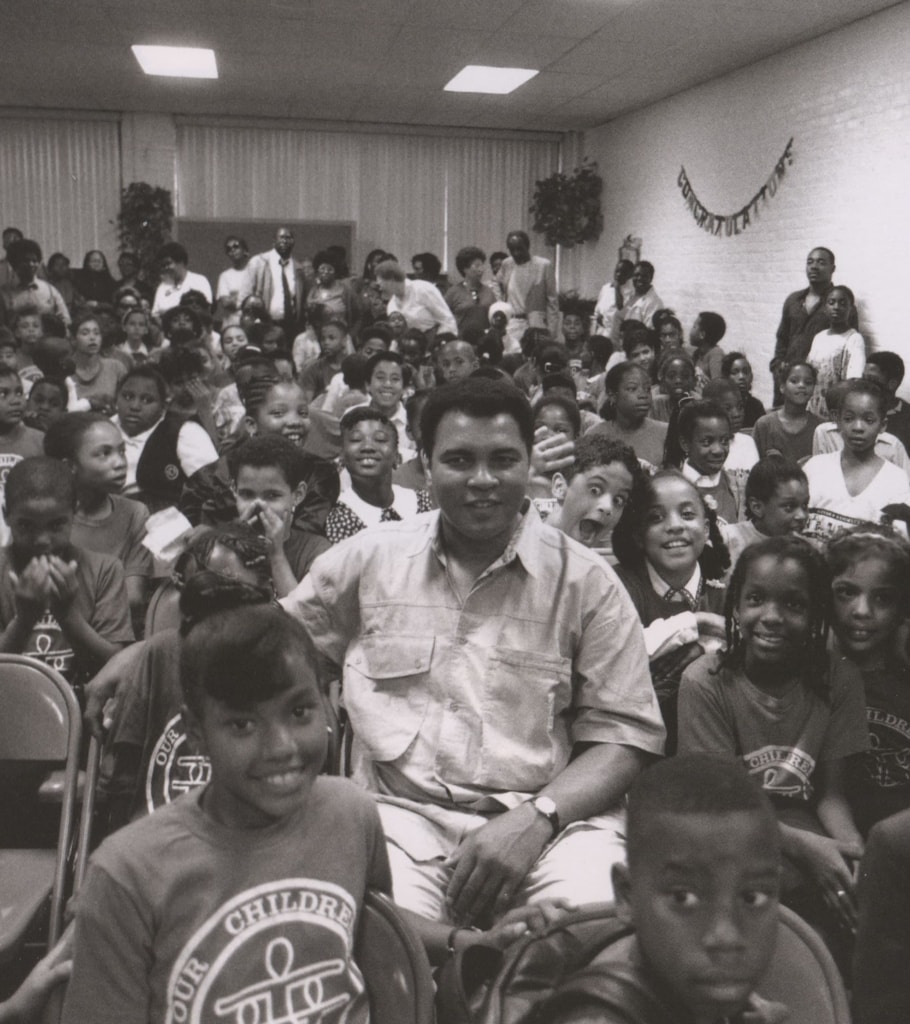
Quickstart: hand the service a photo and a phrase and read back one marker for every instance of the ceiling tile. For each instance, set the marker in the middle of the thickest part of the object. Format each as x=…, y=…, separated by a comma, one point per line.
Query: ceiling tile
x=387, y=60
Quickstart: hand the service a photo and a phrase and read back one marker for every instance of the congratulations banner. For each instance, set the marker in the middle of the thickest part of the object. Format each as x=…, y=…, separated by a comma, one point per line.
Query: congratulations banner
x=734, y=223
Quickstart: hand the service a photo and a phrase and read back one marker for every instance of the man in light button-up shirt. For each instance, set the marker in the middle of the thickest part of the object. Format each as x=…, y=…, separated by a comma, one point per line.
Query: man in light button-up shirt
x=488, y=660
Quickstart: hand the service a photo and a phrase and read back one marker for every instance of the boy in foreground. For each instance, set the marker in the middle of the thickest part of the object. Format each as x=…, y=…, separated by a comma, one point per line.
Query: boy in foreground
x=700, y=891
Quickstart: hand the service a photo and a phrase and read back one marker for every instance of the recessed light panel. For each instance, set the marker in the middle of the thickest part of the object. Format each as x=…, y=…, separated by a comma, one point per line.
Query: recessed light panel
x=479, y=78
x=177, y=61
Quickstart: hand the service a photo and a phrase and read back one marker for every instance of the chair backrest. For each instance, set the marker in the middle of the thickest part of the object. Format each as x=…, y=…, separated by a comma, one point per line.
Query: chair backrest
x=394, y=964
x=803, y=975
x=164, y=609
x=41, y=721
x=478, y=987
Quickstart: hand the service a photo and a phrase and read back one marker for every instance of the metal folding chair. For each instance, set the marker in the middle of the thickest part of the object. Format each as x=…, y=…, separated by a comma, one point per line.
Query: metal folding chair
x=40, y=723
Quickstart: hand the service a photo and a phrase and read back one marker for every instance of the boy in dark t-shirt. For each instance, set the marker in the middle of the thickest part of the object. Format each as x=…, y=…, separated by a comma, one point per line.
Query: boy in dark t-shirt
x=61, y=604
x=700, y=892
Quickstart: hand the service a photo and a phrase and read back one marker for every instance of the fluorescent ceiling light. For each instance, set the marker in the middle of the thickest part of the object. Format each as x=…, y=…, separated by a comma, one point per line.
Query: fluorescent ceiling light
x=177, y=61
x=479, y=78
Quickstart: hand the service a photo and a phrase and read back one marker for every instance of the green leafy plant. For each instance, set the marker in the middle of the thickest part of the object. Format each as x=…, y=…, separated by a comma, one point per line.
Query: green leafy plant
x=566, y=207
x=144, y=223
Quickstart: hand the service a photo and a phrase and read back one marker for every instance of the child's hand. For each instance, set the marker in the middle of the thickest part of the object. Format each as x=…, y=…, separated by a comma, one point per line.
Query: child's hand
x=64, y=584
x=30, y=999
x=275, y=528
x=532, y=918
x=826, y=859
x=551, y=452
x=199, y=392
x=31, y=590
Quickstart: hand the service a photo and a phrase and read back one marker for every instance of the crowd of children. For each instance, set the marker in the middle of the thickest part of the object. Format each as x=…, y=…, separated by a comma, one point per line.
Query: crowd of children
x=765, y=552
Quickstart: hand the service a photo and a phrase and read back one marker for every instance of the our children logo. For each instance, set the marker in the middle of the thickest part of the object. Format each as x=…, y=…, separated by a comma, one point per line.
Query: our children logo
x=783, y=771
x=280, y=953
x=173, y=768
x=888, y=763
x=48, y=644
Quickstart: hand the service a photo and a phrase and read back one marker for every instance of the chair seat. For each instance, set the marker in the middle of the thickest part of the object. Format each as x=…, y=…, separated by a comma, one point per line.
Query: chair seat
x=26, y=881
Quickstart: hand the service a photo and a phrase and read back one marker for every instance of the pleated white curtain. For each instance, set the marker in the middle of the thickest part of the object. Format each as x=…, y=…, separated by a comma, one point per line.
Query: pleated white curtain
x=490, y=185
x=60, y=183
x=405, y=193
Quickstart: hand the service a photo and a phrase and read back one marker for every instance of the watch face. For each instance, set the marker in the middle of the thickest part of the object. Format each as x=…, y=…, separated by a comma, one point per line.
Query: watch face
x=545, y=805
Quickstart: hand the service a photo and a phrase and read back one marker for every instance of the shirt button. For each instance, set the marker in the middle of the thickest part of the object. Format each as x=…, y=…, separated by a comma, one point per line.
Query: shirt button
x=417, y=663
x=453, y=706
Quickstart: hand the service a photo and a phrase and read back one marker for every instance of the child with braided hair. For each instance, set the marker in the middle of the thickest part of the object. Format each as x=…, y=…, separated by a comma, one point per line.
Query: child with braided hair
x=793, y=712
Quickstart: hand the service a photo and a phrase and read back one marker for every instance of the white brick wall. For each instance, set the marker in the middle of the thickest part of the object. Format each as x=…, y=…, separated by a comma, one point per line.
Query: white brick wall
x=845, y=99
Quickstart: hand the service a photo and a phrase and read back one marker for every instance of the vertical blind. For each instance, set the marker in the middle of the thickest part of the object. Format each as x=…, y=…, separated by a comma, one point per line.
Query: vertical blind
x=405, y=193
x=60, y=182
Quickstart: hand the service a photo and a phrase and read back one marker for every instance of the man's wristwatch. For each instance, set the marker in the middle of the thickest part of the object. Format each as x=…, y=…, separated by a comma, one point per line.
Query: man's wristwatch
x=545, y=806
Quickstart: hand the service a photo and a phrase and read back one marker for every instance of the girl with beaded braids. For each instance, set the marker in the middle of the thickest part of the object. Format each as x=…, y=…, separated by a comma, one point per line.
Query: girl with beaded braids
x=794, y=713
x=672, y=561
x=147, y=761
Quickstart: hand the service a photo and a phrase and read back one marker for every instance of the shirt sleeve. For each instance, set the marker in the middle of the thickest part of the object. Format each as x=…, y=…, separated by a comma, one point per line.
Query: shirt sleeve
x=60, y=307
x=436, y=304
x=159, y=298
x=195, y=448
x=614, y=698
x=848, y=731
x=327, y=599
x=137, y=560
x=855, y=356
x=201, y=283
x=705, y=724
x=110, y=617
x=112, y=956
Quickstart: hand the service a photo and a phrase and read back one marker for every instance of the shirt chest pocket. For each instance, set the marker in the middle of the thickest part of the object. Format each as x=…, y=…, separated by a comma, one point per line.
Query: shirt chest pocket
x=525, y=709
x=386, y=691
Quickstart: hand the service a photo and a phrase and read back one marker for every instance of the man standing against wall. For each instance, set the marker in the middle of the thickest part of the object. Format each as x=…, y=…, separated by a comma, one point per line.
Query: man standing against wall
x=528, y=284
x=278, y=281
x=804, y=316
x=233, y=283
x=645, y=301
x=615, y=294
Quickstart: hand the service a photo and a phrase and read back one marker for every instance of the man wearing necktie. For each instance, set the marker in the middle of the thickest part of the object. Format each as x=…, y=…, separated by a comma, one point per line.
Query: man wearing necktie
x=278, y=281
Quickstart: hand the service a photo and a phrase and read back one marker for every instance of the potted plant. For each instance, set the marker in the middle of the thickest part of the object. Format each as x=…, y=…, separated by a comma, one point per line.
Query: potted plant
x=144, y=223
x=566, y=207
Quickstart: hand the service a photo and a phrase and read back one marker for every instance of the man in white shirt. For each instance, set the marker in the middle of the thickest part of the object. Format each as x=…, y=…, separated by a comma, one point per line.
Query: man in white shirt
x=614, y=295
x=176, y=278
x=233, y=283
x=645, y=301
x=278, y=281
x=528, y=284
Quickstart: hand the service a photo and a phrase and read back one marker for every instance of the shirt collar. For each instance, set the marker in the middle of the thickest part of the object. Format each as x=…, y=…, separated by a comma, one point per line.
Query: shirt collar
x=136, y=439
x=523, y=544
x=699, y=479
x=660, y=586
